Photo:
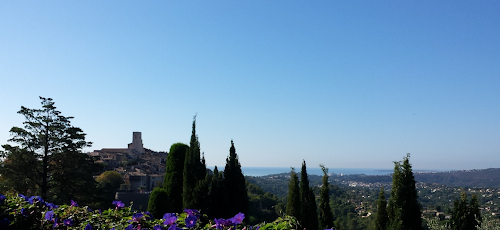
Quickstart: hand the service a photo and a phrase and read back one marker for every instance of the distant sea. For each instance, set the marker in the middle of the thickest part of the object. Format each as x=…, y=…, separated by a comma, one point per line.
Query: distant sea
x=264, y=171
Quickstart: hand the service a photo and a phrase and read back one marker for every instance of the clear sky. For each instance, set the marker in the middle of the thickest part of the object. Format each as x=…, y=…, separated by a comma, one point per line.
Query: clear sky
x=350, y=84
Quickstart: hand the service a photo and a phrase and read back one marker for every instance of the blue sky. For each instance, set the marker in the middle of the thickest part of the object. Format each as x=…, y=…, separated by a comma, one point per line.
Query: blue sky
x=350, y=84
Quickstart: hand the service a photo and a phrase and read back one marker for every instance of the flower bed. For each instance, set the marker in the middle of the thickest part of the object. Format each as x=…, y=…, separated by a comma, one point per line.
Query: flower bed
x=21, y=212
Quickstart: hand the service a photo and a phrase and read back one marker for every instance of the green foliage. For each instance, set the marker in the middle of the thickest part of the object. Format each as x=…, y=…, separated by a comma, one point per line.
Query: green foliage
x=159, y=202
x=236, y=190
x=325, y=211
x=466, y=214
x=282, y=223
x=293, y=198
x=14, y=173
x=194, y=171
x=174, y=169
x=107, y=184
x=216, y=195
x=72, y=178
x=404, y=208
x=381, y=218
x=308, y=210
x=48, y=155
x=113, y=178
x=261, y=205
x=312, y=215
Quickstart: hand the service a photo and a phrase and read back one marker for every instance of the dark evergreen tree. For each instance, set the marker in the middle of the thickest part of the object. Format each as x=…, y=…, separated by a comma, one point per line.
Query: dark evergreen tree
x=194, y=171
x=235, y=184
x=404, y=208
x=293, y=198
x=72, y=178
x=159, y=203
x=312, y=215
x=46, y=139
x=307, y=201
x=216, y=195
x=174, y=169
x=325, y=211
x=381, y=218
x=466, y=214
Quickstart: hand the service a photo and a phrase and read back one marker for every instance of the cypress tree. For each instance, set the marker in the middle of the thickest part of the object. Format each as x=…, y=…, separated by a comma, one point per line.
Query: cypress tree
x=293, y=199
x=307, y=201
x=216, y=195
x=325, y=211
x=194, y=171
x=404, y=208
x=465, y=215
x=159, y=203
x=312, y=215
x=174, y=169
x=236, y=192
x=381, y=218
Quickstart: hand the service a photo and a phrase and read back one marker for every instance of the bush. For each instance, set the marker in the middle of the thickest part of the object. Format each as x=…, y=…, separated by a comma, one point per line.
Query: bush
x=159, y=203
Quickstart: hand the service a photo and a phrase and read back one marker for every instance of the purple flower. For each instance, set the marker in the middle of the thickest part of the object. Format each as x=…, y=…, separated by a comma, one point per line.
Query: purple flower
x=32, y=199
x=158, y=227
x=55, y=223
x=191, y=221
x=49, y=215
x=191, y=211
x=73, y=203
x=24, y=212
x=118, y=204
x=68, y=222
x=2, y=199
x=219, y=223
x=238, y=218
x=169, y=218
x=148, y=215
x=174, y=227
x=130, y=227
x=137, y=217
x=88, y=227
x=51, y=206
x=22, y=196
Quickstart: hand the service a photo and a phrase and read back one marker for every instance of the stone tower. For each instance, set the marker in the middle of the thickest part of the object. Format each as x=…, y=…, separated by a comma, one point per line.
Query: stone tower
x=136, y=146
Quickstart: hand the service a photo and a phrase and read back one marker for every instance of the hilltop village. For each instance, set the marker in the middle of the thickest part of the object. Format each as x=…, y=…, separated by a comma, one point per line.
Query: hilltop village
x=142, y=169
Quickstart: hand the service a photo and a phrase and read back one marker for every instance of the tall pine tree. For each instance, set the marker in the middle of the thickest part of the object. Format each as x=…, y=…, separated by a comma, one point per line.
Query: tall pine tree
x=404, y=208
x=47, y=154
x=235, y=184
x=308, y=213
x=312, y=215
x=216, y=195
x=293, y=198
x=325, y=211
x=381, y=217
x=194, y=171
x=174, y=169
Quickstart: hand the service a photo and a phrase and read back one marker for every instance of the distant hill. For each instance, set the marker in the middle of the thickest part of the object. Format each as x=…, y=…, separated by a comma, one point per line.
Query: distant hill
x=489, y=178
x=461, y=178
